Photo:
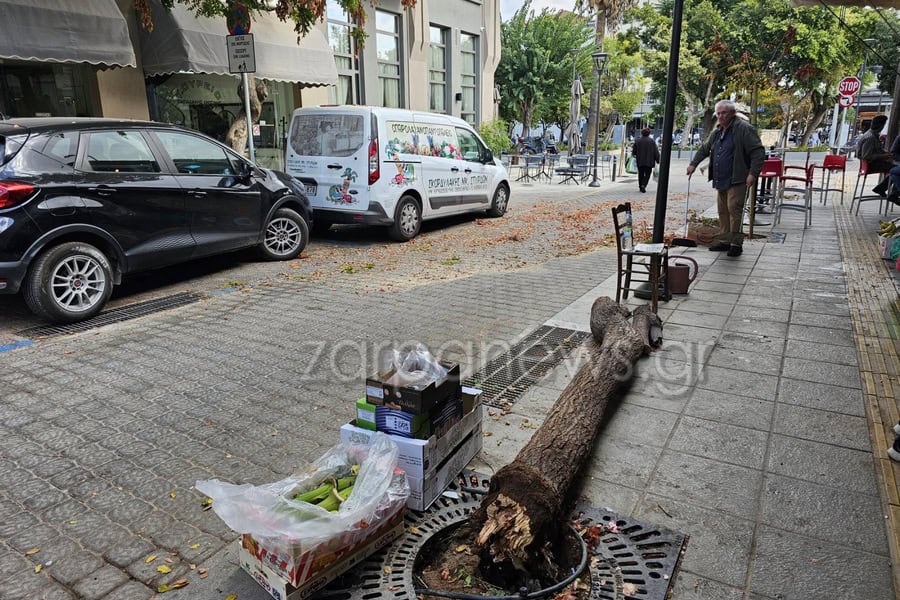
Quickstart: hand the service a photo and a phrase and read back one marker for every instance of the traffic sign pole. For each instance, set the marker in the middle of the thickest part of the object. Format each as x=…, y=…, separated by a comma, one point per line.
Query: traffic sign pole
x=246, y=82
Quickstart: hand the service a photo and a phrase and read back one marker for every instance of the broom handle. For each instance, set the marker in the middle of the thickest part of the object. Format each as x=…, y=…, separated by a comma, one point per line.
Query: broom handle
x=687, y=201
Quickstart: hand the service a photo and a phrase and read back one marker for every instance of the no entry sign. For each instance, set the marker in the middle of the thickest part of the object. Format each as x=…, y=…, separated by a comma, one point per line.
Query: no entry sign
x=849, y=86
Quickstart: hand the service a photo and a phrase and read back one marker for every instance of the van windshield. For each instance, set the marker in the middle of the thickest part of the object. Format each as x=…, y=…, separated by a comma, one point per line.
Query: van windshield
x=327, y=135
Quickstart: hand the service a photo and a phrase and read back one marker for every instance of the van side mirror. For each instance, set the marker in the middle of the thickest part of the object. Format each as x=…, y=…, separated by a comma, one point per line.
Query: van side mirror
x=488, y=155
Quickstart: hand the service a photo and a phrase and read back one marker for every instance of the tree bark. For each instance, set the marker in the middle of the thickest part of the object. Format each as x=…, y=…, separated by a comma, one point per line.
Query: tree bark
x=239, y=131
x=521, y=519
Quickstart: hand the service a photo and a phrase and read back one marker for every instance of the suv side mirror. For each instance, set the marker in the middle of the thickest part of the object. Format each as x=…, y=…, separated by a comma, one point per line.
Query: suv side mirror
x=488, y=155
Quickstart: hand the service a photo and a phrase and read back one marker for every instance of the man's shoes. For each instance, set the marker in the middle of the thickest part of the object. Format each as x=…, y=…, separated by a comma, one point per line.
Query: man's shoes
x=719, y=248
x=895, y=198
x=881, y=190
x=643, y=190
x=897, y=428
x=894, y=450
x=735, y=251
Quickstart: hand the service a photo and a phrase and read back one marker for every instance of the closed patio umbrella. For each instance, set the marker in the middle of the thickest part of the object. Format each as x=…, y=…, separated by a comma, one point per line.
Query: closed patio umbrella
x=574, y=131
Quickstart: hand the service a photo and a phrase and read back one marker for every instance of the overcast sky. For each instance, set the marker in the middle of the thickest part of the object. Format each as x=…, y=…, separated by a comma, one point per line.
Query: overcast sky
x=508, y=7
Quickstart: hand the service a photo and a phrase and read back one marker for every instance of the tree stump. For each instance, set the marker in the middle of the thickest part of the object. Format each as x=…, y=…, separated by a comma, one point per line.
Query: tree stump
x=520, y=522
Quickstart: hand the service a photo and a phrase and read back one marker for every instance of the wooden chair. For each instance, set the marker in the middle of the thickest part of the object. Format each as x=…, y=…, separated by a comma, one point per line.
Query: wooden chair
x=651, y=266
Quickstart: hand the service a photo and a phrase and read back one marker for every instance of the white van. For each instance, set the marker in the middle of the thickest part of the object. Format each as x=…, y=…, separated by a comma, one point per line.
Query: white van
x=387, y=166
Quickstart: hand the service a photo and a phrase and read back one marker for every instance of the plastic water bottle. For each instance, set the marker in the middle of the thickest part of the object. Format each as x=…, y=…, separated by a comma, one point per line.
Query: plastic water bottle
x=627, y=237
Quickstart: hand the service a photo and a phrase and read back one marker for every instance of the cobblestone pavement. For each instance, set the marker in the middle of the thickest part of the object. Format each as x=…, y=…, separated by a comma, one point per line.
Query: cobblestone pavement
x=103, y=433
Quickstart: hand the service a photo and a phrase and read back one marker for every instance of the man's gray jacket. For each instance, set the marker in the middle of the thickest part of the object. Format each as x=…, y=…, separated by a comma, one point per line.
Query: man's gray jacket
x=749, y=153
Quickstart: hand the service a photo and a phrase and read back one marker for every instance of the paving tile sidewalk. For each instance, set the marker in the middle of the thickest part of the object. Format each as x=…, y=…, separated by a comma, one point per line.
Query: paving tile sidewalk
x=760, y=427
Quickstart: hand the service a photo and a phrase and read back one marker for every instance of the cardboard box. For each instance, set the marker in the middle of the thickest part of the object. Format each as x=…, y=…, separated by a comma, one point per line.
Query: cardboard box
x=393, y=421
x=408, y=399
x=300, y=572
x=365, y=414
x=281, y=589
x=422, y=492
x=443, y=418
x=419, y=458
x=470, y=396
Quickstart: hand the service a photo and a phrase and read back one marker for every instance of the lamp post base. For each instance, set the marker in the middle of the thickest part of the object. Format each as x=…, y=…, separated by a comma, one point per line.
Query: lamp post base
x=594, y=183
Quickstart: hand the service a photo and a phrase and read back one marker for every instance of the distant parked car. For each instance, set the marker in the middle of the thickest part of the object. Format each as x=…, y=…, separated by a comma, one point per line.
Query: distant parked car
x=85, y=201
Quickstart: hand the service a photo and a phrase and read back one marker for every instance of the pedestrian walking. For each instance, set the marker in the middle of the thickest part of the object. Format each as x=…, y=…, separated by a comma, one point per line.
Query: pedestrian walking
x=736, y=157
x=871, y=150
x=646, y=153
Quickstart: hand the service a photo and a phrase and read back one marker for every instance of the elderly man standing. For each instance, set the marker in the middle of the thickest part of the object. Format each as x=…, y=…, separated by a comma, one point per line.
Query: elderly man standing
x=736, y=157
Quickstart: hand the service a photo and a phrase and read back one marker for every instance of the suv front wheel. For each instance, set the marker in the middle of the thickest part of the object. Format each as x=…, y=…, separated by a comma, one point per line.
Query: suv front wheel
x=285, y=237
x=69, y=282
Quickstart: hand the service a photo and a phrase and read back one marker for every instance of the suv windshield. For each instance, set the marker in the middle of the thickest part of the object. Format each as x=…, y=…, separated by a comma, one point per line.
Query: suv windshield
x=327, y=135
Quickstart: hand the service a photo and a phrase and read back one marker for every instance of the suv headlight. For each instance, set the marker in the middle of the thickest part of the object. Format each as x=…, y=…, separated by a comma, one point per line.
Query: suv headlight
x=5, y=223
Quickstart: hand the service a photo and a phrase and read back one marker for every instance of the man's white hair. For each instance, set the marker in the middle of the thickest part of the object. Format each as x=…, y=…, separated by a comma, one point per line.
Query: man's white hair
x=726, y=104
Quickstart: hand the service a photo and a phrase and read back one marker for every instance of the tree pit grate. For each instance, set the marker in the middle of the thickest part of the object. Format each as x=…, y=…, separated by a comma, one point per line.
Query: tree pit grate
x=632, y=557
x=505, y=378
x=115, y=315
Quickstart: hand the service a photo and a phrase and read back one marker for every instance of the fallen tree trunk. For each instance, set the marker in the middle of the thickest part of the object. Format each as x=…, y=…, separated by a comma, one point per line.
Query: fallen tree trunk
x=520, y=521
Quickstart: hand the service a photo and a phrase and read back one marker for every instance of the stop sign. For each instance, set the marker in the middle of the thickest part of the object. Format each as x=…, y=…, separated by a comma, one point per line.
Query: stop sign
x=848, y=86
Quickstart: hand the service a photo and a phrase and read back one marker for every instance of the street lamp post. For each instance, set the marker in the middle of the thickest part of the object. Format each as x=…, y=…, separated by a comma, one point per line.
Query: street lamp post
x=600, y=59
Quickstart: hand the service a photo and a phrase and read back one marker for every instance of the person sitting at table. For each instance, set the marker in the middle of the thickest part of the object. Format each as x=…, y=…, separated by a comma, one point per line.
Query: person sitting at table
x=871, y=150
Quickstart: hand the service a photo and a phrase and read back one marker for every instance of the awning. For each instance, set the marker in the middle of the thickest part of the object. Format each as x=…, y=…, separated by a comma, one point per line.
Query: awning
x=183, y=43
x=65, y=31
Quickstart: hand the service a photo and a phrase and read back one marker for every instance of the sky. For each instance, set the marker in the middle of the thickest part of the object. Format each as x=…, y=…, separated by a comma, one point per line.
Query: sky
x=508, y=7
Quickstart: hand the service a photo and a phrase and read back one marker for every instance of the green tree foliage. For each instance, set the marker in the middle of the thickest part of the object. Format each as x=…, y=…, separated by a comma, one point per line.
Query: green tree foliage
x=537, y=62
x=496, y=135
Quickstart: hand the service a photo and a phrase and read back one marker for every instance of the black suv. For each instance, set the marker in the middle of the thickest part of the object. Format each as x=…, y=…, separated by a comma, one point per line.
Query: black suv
x=85, y=201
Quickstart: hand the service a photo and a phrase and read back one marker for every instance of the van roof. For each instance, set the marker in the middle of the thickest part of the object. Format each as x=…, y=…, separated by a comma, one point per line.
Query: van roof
x=387, y=113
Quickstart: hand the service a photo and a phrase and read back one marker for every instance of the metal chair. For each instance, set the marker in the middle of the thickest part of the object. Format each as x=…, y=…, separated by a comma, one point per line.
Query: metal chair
x=772, y=170
x=831, y=164
x=651, y=267
x=859, y=196
x=577, y=167
x=796, y=161
x=793, y=183
x=551, y=159
x=532, y=169
x=606, y=162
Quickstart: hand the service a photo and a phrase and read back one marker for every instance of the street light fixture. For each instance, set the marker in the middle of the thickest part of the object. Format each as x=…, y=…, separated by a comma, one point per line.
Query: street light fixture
x=600, y=59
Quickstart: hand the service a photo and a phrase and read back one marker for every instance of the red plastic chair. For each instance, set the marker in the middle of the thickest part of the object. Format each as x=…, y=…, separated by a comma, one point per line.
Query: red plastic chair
x=832, y=164
x=772, y=170
x=859, y=190
x=793, y=183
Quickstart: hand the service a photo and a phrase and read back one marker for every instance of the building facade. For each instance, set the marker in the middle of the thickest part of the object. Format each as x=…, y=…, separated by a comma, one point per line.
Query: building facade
x=93, y=58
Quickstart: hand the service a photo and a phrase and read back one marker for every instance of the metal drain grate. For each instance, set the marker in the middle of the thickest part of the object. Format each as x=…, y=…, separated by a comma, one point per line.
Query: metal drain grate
x=639, y=554
x=115, y=315
x=505, y=378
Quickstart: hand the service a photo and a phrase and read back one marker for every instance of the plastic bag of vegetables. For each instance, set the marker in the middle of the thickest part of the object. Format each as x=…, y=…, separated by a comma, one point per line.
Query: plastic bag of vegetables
x=352, y=487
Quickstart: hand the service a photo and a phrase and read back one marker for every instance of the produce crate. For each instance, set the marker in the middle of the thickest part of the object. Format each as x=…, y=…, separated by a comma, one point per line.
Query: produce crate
x=420, y=458
x=293, y=576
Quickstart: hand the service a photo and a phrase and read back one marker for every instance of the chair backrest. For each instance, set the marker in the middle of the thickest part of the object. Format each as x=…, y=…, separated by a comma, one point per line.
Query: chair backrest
x=580, y=162
x=618, y=225
x=833, y=161
x=772, y=167
x=810, y=173
x=816, y=158
x=796, y=159
x=863, y=167
x=535, y=160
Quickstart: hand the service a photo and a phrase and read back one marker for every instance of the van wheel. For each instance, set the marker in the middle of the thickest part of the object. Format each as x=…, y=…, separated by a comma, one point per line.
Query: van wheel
x=500, y=202
x=407, y=220
x=69, y=282
x=285, y=237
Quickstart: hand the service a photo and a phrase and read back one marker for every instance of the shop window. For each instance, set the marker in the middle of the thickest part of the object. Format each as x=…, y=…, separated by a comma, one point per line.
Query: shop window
x=468, y=48
x=119, y=152
x=44, y=90
x=340, y=38
x=387, y=41
x=437, y=69
x=194, y=155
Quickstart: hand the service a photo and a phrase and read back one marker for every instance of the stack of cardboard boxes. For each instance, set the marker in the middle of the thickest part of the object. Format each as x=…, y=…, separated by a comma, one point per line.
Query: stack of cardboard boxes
x=437, y=430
